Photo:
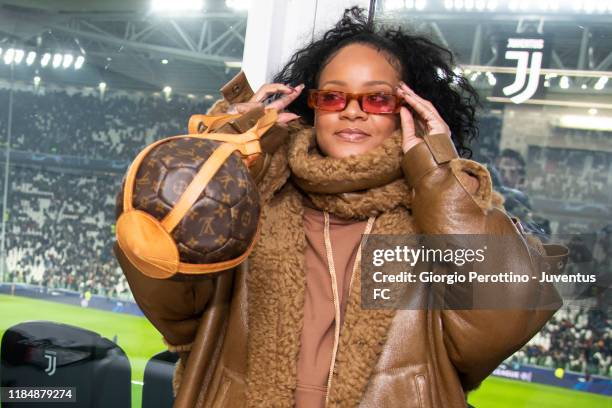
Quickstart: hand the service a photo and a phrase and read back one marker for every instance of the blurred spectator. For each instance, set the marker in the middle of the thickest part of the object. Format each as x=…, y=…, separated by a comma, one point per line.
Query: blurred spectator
x=511, y=167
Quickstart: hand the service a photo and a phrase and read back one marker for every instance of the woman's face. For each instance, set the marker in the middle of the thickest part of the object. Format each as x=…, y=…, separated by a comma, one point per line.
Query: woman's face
x=356, y=68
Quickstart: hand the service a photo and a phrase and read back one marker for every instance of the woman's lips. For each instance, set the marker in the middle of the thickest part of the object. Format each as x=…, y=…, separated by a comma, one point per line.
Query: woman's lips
x=352, y=135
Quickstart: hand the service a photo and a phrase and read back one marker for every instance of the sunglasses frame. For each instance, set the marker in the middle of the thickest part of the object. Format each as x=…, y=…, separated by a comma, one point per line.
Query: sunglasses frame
x=349, y=96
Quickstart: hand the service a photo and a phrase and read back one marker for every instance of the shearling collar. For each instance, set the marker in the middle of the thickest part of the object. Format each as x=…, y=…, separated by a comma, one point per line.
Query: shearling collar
x=354, y=187
x=276, y=289
x=316, y=173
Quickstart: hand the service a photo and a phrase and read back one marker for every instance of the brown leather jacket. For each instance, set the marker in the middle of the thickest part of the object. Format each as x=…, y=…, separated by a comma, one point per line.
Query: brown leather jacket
x=431, y=358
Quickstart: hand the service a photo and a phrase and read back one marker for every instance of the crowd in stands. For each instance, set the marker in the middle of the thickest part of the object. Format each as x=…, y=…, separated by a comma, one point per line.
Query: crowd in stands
x=574, y=339
x=569, y=170
x=561, y=188
x=113, y=127
x=572, y=175
x=581, y=139
x=59, y=230
x=60, y=223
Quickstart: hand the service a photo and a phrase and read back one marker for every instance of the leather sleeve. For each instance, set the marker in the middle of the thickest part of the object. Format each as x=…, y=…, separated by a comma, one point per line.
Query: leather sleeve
x=174, y=307
x=476, y=340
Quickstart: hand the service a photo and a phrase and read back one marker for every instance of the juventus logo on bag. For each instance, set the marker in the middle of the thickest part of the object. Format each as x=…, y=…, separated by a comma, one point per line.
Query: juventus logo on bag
x=52, y=358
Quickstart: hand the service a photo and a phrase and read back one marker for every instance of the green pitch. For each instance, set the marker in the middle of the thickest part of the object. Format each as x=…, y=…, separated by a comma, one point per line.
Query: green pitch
x=503, y=393
x=140, y=341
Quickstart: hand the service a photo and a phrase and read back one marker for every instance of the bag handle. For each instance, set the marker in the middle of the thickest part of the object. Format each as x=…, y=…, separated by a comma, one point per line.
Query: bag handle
x=209, y=122
x=247, y=143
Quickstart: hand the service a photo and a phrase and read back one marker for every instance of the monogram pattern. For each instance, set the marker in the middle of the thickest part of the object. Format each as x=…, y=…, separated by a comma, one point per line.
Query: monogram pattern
x=222, y=223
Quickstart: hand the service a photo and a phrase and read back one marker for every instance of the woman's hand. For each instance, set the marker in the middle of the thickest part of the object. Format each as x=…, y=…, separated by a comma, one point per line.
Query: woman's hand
x=427, y=115
x=267, y=90
x=433, y=122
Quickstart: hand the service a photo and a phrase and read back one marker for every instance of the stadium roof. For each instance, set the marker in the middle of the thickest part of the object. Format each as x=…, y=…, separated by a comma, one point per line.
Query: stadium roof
x=81, y=5
x=125, y=44
x=129, y=47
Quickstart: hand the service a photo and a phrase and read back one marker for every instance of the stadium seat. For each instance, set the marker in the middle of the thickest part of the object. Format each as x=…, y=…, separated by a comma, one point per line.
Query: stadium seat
x=157, y=388
x=49, y=354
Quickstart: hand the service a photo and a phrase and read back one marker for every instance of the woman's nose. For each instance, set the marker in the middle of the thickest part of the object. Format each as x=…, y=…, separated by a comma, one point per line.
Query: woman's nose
x=352, y=110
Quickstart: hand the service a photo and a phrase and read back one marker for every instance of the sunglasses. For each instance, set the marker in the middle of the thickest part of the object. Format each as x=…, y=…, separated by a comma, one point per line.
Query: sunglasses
x=371, y=102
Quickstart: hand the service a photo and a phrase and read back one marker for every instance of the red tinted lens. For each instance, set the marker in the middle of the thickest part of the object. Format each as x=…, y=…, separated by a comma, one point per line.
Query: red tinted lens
x=328, y=100
x=379, y=103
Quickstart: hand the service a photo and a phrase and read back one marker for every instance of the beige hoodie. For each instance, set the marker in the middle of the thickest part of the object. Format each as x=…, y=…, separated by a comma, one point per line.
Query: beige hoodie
x=317, y=338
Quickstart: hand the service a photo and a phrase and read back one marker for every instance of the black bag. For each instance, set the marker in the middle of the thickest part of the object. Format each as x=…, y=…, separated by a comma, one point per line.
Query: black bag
x=49, y=354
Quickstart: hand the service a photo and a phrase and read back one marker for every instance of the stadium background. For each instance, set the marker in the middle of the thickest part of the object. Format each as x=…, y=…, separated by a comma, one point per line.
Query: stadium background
x=67, y=134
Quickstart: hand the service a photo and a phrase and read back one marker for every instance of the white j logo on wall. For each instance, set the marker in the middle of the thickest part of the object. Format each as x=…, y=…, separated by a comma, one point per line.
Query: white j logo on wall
x=51, y=357
x=527, y=56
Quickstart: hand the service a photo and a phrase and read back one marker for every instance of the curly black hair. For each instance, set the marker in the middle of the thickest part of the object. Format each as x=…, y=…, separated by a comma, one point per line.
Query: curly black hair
x=424, y=66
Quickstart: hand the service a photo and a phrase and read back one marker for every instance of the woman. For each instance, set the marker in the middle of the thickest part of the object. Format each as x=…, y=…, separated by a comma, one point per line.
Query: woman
x=373, y=153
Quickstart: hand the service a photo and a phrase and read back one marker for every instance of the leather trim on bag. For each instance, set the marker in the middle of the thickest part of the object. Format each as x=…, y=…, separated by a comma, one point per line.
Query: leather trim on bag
x=237, y=90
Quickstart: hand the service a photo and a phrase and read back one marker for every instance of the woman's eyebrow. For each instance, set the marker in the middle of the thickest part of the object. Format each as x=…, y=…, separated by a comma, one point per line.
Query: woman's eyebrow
x=333, y=81
x=378, y=83
x=375, y=82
